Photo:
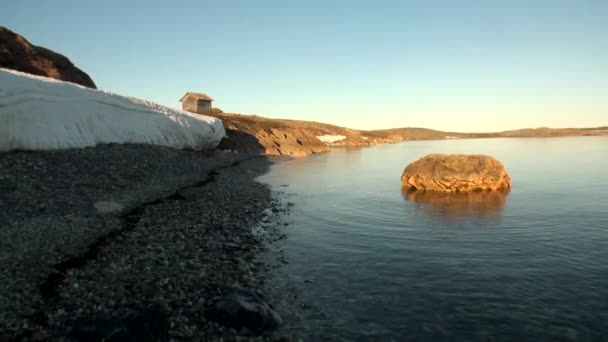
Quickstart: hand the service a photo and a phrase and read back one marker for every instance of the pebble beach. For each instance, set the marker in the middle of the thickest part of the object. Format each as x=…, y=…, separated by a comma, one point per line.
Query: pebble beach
x=132, y=242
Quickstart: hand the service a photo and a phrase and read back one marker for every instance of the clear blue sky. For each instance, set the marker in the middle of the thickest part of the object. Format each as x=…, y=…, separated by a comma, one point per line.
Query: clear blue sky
x=451, y=65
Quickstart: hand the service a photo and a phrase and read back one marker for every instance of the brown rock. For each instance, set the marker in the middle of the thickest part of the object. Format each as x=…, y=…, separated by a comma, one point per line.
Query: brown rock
x=456, y=173
x=249, y=133
x=18, y=54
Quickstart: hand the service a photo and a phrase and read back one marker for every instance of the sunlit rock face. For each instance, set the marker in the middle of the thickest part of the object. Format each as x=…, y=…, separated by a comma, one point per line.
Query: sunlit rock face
x=456, y=173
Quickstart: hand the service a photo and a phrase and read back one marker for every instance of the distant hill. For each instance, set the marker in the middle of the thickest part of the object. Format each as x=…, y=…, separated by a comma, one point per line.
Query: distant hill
x=252, y=133
x=555, y=132
x=412, y=133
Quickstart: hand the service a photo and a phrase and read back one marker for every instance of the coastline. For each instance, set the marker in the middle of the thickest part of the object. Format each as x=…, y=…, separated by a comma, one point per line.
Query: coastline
x=112, y=232
x=94, y=237
x=298, y=138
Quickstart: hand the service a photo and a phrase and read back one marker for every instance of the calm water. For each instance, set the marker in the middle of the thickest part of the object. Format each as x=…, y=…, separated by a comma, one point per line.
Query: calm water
x=530, y=265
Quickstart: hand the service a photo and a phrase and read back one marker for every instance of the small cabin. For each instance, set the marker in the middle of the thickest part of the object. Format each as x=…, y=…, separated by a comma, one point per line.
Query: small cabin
x=196, y=103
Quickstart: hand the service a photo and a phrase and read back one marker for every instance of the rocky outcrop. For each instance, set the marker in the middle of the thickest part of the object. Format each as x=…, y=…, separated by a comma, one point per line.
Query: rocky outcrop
x=249, y=133
x=18, y=54
x=274, y=141
x=456, y=173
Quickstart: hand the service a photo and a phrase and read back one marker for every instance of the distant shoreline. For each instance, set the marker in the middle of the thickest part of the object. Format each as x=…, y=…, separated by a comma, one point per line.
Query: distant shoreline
x=297, y=138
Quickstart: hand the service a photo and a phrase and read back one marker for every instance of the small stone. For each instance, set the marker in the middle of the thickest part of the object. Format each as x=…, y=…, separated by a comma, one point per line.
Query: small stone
x=233, y=245
x=108, y=207
x=243, y=308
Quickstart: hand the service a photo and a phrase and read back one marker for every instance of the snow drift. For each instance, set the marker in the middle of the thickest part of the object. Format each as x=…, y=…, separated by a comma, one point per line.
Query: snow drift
x=40, y=113
x=330, y=138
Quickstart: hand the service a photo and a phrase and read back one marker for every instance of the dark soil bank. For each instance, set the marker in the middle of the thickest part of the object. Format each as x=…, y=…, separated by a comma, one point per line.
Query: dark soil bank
x=132, y=243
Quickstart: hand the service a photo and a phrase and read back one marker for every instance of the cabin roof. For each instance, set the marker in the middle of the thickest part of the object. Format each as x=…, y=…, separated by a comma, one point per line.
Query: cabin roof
x=198, y=96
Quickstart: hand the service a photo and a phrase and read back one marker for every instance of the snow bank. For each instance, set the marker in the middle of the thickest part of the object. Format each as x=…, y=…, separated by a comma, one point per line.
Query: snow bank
x=331, y=138
x=40, y=113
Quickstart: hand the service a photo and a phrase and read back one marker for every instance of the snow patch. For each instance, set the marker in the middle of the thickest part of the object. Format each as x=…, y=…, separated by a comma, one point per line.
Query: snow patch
x=331, y=138
x=40, y=113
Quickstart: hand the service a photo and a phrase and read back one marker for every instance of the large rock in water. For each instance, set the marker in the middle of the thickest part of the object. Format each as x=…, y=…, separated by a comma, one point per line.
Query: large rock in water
x=18, y=54
x=456, y=173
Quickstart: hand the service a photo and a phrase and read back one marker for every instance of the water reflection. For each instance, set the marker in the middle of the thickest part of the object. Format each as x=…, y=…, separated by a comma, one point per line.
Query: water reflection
x=485, y=205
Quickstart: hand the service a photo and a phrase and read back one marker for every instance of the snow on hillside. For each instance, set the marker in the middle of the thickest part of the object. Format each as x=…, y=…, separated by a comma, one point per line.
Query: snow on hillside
x=331, y=138
x=39, y=113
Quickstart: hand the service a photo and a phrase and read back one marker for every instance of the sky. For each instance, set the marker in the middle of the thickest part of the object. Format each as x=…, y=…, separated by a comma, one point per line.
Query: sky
x=459, y=65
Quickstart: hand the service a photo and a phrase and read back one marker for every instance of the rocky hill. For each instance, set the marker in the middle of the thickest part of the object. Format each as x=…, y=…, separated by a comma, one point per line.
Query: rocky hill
x=554, y=132
x=252, y=133
x=413, y=133
x=17, y=53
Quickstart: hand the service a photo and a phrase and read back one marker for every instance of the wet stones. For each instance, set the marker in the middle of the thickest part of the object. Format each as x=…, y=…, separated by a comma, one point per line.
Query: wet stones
x=242, y=308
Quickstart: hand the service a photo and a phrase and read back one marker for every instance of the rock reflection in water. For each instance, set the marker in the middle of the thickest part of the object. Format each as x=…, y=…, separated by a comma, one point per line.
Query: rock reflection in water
x=458, y=206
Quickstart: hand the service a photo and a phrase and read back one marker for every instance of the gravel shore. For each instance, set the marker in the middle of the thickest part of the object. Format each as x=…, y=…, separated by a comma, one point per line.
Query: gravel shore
x=123, y=234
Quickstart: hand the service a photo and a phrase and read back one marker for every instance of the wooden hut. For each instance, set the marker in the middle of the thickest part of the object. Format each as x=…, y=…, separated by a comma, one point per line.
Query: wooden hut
x=196, y=103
